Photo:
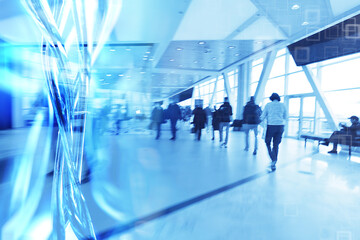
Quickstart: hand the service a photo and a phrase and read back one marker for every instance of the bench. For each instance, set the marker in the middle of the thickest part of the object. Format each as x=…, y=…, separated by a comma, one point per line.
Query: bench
x=314, y=137
x=354, y=143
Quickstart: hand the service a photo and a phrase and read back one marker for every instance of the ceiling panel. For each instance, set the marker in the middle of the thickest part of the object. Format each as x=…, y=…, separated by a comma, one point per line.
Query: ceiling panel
x=208, y=55
x=340, y=6
x=213, y=20
x=262, y=29
x=295, y=16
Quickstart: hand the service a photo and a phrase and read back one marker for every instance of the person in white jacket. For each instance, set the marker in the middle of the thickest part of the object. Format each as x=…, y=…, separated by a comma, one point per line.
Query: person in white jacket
x=275, y=115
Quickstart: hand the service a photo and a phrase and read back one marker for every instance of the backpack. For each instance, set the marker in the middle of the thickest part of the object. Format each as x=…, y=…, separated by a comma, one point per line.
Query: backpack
x=252, y=113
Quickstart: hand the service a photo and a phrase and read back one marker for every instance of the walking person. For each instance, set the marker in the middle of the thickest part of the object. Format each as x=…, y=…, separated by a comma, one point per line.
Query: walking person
x=275, y=115
x=174, y=114
x=215, y=122
x=251, y=118
x=208, y=116
x=225, y=112
x=157, y=118
x=199, y=121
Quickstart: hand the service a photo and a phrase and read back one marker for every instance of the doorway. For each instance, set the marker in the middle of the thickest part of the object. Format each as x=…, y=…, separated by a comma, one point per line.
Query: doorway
x=301, y=115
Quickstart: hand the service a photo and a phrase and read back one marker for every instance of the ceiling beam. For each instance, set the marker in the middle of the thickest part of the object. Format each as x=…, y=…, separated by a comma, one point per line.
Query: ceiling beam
x=244, y=25
x=161, y=47
x=263, y=12
x=183, y=71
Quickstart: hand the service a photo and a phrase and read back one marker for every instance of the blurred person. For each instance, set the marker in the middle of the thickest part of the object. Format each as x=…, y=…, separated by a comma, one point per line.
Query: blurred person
x=215, y=121
x=275, y=115
x=346, y=135
x=174, y=114
x=199, y=120
x=118, y=118
x=157, y=118
x=208, y=116
x=251, y=120
x=225, y=114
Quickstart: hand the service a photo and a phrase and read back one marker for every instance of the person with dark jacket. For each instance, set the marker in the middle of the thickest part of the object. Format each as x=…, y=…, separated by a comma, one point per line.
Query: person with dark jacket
x=174, y=114
x=225, y=112
x=215, y=121
x=157, y=118
x=199, y=120
x=346, y=135
x=251, y=120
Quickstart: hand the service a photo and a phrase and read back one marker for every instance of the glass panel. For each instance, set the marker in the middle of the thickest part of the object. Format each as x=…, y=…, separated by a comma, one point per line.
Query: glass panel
x=275, y=85
x=292, y=65
x=220, y=85
x=293, y=127
x=307, y=125
x=211, y=87
x=257, y=61
x=344, y=103
x=298, y=83
x=309, y=106
x=253, y=87
x=341, y=75
x=294, y=107
x=231, y=81
x=220, y=97
x=201, y=91
x=281, y=52
x=278, y=67
x=255, y=73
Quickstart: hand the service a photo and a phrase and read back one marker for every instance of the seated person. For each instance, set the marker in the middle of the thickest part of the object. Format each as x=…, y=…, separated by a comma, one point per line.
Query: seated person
x=346, y=135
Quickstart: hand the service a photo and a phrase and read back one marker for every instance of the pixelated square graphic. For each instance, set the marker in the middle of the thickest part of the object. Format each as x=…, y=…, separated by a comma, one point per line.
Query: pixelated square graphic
x=314, y=37
x=332, y=51
x=291, y=210
x=302, y=54
x=352, y=31
x=343, y=235
x=332, y=33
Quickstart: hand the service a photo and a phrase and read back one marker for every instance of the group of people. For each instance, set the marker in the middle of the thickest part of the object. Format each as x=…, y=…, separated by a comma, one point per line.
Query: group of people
x=274, y=114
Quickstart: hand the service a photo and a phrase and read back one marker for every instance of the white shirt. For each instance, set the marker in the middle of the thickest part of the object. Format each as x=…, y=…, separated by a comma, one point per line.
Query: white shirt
x=275, y=113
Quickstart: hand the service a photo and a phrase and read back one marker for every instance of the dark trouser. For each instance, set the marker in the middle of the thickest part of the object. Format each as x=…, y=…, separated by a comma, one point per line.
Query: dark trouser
x=198, y=130
x=340, y=137
x=118, y=126
x=274, y=134
x=173, y=127
x=158, y=130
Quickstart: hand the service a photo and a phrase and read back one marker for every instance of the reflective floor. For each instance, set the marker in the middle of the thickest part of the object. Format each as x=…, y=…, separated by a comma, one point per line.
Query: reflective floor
x=142, y=188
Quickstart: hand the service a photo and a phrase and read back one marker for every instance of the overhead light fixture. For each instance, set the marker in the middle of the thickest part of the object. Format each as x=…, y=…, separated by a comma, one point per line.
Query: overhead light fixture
x=201, y=43
x=295, y=7
x=305, y=23
x=121, y=75
x=101, y=79
x=147, y=52
x=151, y=59
x=179, y=49
x=142, y=72
x=171, y=60
x=180, y=65
x=236, y=54
x=258, y=42
x=145, y=58
x=112, y=50
x=231, y=47
x=214, y=58
x=108, y=75
x=195, y=61
x=128, y=49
